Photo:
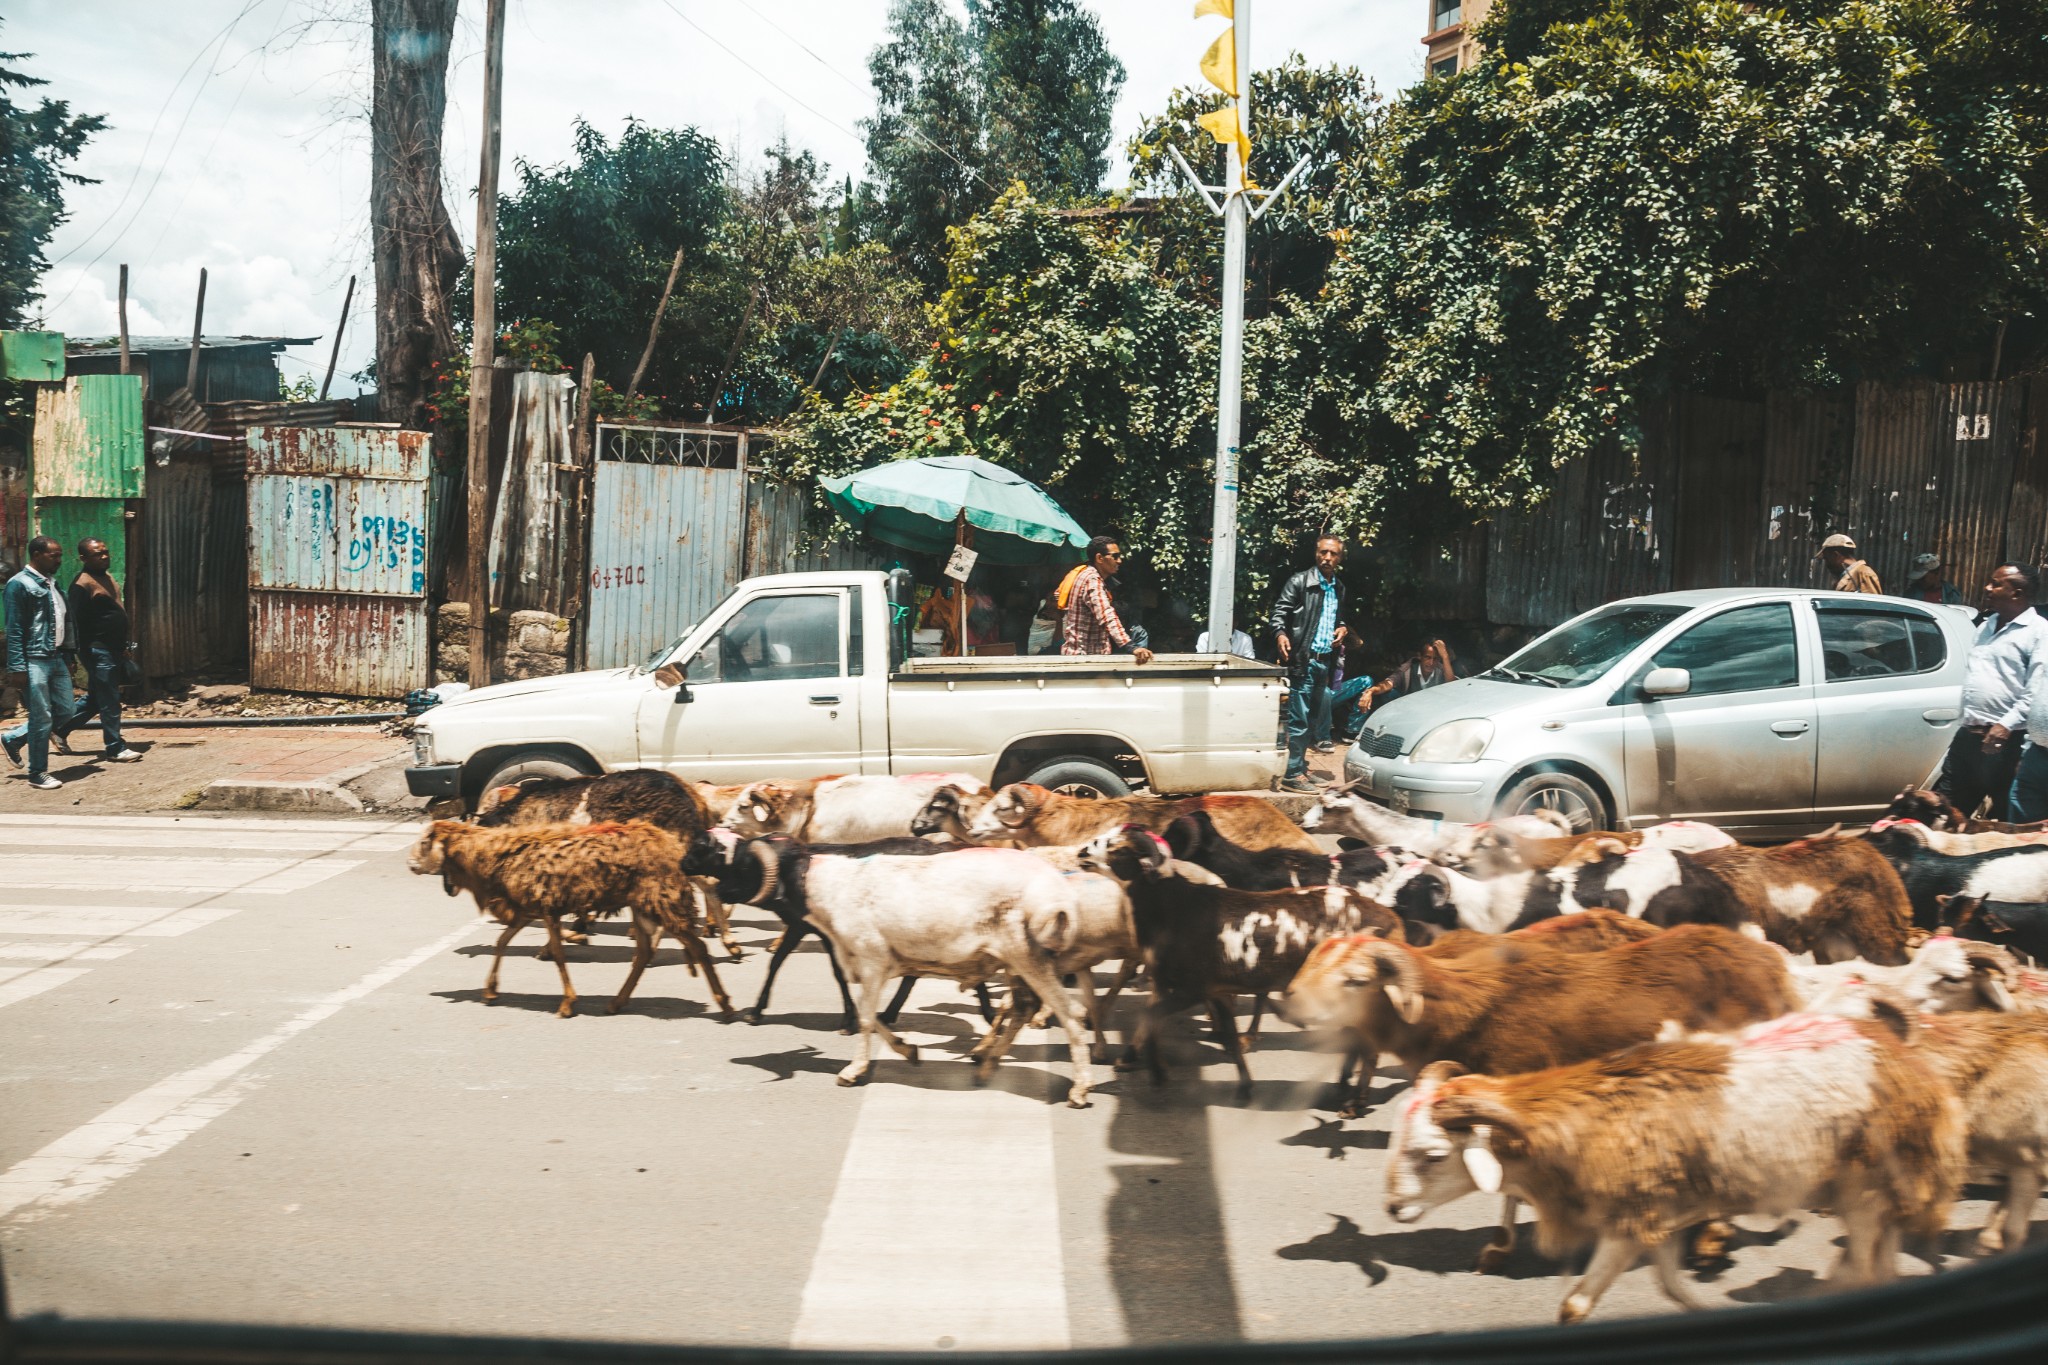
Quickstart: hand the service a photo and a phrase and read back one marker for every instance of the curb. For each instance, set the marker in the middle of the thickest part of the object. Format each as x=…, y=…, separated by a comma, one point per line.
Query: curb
x=327, y=795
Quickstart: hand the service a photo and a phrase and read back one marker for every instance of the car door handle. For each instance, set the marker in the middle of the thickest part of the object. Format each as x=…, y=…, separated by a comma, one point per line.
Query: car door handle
x=825, y=701
x=1790, y=727
x=1940, y=715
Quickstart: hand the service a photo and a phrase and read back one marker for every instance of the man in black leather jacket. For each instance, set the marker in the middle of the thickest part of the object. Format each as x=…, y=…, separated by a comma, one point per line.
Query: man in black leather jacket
x=1307, y=625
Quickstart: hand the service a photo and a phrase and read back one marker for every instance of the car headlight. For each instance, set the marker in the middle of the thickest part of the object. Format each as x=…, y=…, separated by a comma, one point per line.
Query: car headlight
x=1461, y=741
x=422, y=746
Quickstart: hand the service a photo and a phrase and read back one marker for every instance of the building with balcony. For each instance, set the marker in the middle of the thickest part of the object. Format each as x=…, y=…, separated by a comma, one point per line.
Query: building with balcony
x=1449, y=39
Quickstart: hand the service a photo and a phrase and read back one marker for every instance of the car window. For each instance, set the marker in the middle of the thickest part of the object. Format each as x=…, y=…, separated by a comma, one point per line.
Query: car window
x=773, y=638
x=1864, y=643
x=1576, y=654
x=1744, y=650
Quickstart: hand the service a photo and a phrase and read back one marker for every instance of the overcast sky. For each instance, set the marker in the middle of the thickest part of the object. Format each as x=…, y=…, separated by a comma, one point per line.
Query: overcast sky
x=237, y=139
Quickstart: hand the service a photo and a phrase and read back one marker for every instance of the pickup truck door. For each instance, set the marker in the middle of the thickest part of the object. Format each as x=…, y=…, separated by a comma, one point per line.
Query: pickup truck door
x=1738, y=749
x=770, y=696
x=1889, y=699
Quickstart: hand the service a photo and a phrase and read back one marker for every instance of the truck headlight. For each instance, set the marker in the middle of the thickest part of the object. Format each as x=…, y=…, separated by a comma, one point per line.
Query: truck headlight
x=1461, y=741
x=422, y=746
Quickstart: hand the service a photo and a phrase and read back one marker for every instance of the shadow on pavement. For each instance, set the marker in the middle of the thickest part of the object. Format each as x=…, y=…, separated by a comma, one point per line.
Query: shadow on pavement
x=1439, y=1251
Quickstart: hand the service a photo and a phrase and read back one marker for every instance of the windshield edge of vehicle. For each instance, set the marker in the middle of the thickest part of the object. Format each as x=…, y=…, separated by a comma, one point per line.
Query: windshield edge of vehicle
x=1543, y=661
x=655, y=660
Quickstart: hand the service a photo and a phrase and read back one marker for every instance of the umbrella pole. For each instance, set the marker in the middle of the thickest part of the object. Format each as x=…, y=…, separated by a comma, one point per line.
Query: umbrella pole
x=960, y=585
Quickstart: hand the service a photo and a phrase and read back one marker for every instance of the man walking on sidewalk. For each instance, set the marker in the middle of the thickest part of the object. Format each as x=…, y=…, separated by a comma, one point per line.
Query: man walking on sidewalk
x=1983, y=755
x=1305, y=624
x=39, y=645
x=101, y=623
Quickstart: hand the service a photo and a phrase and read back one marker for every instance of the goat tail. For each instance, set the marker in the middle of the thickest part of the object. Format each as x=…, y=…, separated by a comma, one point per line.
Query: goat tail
x=1054, y=933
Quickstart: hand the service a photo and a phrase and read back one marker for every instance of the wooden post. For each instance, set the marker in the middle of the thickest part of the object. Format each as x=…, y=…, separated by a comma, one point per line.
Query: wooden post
x=482, y=351
x=960, y=584
x=122, y=308
x=198, y=317
x=346, y=299
x=830, y=347
x=654, y=328
x=584, y=455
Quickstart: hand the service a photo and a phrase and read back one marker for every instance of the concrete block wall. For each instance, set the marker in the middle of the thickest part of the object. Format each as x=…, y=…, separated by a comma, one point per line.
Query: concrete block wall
x=524, y=644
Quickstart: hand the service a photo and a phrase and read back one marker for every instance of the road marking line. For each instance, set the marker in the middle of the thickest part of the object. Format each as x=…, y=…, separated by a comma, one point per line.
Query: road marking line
x=199, y=841
x=266, y=876
x=184, y=822
x=28, y=984
x=150, y=1122
x=944, y=1224
x=83, y=950
x=109, y=921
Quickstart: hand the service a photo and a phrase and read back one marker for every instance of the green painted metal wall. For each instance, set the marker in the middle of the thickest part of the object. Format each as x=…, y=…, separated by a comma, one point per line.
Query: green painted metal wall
x=34, y=356
x=88, y=441
x=71, y=520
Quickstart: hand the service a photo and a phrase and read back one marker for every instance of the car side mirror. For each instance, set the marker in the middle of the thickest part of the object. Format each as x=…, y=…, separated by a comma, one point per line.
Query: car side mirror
x=683, y=694
x=1667, y=682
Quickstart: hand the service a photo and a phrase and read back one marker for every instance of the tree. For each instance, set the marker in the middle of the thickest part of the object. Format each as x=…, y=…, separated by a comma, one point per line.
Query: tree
x=1678, y=194
x=416, y=255
x=1024, y=90
x=36, y=143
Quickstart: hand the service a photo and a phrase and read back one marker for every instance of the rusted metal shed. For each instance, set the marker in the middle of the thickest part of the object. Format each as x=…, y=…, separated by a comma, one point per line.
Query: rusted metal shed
x=337, y=529
x=88, y=440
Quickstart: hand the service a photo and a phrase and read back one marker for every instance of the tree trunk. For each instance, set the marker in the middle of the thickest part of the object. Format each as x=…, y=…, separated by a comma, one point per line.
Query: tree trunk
x=417, y=254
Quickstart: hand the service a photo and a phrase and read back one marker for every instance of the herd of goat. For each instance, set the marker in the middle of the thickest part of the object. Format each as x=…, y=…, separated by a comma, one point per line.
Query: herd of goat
x=1638, y=1034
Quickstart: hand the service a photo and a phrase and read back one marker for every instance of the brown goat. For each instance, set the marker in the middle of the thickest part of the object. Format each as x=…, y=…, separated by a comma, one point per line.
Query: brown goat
x=1832, y=896
x=1998, y=1066
x=1030, y=815
x=1587, y=931
x=552, y=871
x=649, y=794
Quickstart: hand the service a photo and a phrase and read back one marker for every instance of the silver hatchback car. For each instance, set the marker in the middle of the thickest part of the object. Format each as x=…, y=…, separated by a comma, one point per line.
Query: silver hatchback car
x=1768, y=711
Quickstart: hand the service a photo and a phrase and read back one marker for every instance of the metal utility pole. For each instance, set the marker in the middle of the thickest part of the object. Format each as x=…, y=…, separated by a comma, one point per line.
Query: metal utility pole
x=1235, y=209
x=483, y=351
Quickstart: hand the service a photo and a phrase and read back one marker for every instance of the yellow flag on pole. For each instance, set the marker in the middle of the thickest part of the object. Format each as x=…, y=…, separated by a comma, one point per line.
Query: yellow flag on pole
x=1224, y=127
x=1222, y=7
x=1219, y=63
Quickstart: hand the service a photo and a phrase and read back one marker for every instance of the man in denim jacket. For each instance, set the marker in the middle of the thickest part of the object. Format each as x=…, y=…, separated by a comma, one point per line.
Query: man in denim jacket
x=39, y=644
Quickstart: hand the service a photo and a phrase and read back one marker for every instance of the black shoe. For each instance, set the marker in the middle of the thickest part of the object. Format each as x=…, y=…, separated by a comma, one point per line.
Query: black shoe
x=62, y=744
x=13, y=747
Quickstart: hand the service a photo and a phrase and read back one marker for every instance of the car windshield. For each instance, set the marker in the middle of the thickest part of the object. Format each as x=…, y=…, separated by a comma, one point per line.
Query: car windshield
x=1576, y=654
x=656, y=659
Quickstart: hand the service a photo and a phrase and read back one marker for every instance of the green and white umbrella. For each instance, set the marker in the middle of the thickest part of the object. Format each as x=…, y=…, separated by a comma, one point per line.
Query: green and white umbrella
x=935, y=503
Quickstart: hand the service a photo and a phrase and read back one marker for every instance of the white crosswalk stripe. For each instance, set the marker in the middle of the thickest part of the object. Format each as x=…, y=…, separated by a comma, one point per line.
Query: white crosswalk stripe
x=182, y=864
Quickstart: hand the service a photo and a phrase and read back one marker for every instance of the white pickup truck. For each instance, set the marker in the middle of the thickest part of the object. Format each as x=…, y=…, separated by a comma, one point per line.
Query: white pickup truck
x=799, y=675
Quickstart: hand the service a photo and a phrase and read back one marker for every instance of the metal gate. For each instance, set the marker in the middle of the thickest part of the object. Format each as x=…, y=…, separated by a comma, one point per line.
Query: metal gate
x=338, y=559
x=667, y=535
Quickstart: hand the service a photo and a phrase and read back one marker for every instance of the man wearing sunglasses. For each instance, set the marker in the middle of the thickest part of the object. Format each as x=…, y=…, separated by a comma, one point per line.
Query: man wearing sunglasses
x=1091, y=625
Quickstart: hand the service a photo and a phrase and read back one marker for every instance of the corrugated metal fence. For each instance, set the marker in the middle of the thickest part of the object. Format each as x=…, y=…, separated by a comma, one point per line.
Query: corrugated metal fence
x=1732, y=492
x=338, y=559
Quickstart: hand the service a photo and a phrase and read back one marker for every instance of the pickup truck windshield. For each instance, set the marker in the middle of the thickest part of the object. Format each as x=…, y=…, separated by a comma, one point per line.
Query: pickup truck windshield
x=1575, y=655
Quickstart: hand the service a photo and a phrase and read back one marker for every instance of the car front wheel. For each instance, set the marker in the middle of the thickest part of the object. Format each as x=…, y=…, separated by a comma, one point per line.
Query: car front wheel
x=1556, y=793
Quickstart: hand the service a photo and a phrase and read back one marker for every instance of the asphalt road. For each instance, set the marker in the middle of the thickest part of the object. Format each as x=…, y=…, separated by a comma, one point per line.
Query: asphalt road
x=245, y=1074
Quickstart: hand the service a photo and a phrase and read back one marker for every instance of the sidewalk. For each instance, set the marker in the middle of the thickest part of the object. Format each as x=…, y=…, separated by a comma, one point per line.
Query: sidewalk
x=287, y=768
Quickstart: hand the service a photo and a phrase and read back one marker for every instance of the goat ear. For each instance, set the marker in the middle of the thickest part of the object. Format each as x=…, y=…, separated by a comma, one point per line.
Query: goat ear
x=1460, y=1113
x=1902, y=1020
x=1483, y=1166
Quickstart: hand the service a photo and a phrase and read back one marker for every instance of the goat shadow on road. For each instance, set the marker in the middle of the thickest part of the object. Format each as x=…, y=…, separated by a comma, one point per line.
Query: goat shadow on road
x=1437, y=1251
x=653, y=1006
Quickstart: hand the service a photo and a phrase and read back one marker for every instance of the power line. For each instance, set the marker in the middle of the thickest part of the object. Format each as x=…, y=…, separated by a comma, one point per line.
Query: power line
x=806, y=49
x=772, y=84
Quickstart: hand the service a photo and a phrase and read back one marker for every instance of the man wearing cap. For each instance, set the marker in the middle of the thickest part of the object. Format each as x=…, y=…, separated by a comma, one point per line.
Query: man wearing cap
x=1982, y=757
x=1838, y=552
x=1927, y=584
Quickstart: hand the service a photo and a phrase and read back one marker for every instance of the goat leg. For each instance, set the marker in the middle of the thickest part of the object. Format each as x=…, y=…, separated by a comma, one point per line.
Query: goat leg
x=518, y=922
x=568, y=1005
x=1368, y=1064
x=898, y=1000
x=693, y=949
x=988, y=1010
x=1251, y=1034
x=1611, y=1257
x=870, y=1026
x=2022, y=1189
x=1000, y=1036
x=643, y=953
x=717, y=915
x=1040, y=977
x=1226, y=1033
x=1666, y=1255
x=784, y=946
x=1494, y=1254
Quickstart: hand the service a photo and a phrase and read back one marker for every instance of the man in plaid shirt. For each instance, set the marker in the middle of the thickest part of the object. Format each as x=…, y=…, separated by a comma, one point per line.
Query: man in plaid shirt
x=1091, y=625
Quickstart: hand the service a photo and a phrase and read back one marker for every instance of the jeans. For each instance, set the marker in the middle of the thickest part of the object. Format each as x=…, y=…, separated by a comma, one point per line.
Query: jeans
x=48, y=693
x=104, y=692
x=2029, y=799
x=1345, y=717
x=1968, y=774
x=1308, y=705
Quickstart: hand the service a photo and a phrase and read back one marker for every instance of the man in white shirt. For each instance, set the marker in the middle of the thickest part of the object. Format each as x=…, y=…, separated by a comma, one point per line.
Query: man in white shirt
x=1985, y=752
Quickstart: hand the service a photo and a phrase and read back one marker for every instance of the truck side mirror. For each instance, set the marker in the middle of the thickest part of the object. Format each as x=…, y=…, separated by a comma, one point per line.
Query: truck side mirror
x=1667, y=682
x=683, y=694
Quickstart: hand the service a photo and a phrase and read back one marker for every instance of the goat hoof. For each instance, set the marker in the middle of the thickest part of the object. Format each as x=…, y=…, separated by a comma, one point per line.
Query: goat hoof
x=1991, y=1240
x=752, y=1016
x=1491, y=1258
x=911, y=1055
x=854, y=1079
x=571, y=936
x=565, y=1012
x=1078, y=1102
x=614, y=1007
x=1574, y=1310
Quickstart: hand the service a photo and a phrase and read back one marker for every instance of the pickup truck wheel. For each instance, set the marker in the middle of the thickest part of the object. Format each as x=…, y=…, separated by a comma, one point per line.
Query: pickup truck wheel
x=534, y=766
x=1079, y=777
x=1560, y=793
